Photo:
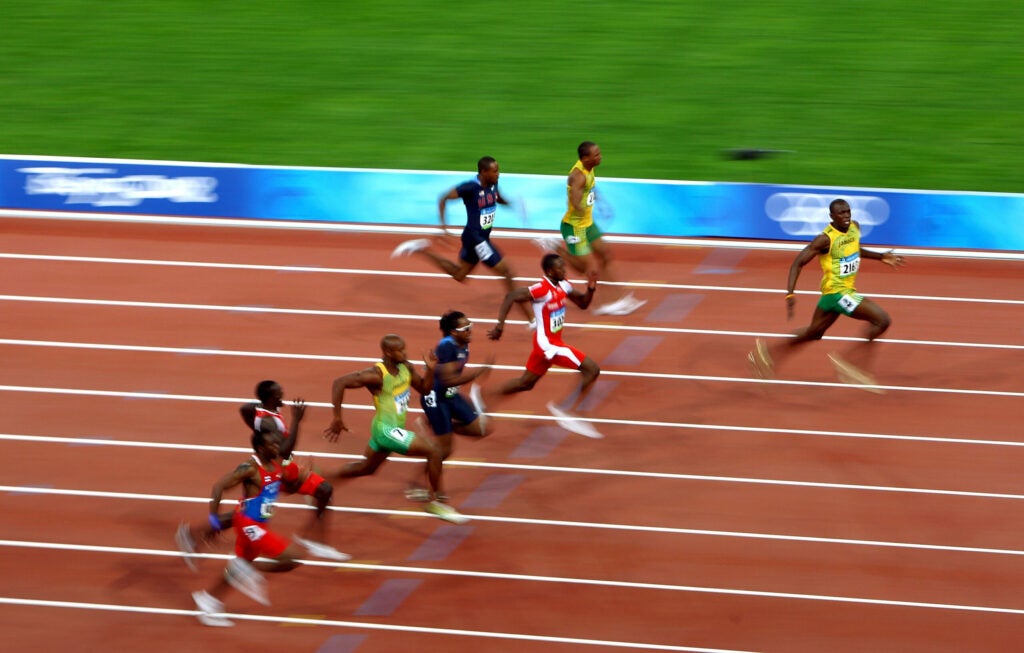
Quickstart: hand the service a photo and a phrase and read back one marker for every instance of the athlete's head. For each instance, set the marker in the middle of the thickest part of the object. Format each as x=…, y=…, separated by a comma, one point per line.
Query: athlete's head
x=392, y=348
x=458, y=326
x=270, y=394
x=589, y=153
x=267, y=445
x=839, y=212
x=553, y=266
x=487, y=169
x=450, y=320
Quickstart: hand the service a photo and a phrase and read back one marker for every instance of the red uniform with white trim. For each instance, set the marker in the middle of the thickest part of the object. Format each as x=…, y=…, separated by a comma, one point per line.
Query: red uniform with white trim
x=549, y=301
x=252, y=537
x=290, y=469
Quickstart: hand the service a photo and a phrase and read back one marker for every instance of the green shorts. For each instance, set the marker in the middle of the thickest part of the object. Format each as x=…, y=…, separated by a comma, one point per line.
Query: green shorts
x=578, y=239
x=845, y=303
x=387, y=437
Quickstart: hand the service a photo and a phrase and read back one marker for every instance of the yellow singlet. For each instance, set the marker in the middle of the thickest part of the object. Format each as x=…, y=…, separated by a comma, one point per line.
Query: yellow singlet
x=840, y=263
x=586, y=218
x=392, y=402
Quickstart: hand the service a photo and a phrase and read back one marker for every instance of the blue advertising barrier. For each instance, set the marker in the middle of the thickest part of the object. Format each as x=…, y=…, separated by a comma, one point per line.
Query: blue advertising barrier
x=985, y=221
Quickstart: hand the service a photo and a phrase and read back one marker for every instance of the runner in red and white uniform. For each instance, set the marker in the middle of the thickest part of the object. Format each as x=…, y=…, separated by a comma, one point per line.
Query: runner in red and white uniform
x=260, y=478
x=266, y=417
x=548, y=297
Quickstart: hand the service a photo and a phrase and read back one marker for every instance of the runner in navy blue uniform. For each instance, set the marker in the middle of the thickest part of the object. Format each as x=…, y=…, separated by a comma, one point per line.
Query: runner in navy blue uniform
x=446, y=409
x=481, y=197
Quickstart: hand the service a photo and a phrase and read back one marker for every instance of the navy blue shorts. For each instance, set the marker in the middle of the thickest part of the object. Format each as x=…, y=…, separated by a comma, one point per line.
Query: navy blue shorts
x=441, y=413
x=480, y=251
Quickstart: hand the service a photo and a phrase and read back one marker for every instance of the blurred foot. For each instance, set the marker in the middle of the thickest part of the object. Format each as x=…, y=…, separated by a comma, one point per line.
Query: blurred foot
x=243, y=577
x=418, y=494
x=476, y=396
x=446, y=512
x=410, y=247
x=574, y=424
x=852, y=375
x=548, y=243
x=760, y=360
x=187, y=546
x=209, y=608
x=319, y=550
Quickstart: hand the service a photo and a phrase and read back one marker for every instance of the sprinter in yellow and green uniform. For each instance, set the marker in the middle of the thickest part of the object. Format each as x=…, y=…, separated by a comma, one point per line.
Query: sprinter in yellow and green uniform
x=583, y=245
x=839, y=253
x=391, y=382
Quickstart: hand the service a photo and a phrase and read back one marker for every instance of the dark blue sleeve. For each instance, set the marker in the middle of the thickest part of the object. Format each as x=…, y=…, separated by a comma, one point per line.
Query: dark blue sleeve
x=446, y=352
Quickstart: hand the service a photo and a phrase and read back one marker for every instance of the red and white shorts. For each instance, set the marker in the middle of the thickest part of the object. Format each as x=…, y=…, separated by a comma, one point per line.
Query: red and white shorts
x=563, y=355
x=253, y=539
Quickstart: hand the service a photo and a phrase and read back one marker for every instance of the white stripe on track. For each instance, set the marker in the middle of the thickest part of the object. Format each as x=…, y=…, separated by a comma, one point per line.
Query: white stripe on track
x=570, y=581
x=671, y=530
x=360, y=625
x=438, y=275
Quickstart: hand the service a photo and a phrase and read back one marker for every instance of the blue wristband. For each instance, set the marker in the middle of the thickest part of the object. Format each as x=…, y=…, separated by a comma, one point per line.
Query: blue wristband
x=215, y=522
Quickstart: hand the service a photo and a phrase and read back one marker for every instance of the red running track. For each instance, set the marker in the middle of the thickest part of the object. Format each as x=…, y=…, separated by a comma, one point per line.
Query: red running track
x=720, y=512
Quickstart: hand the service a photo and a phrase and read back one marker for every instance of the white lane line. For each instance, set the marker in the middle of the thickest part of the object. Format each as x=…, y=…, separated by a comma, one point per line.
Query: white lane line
x=360, y=625
x=562, y=580
x=524, y=521
x=368, y=228
x=519, y=416
x=437, y=275
x=430, y=318
x=201, y=351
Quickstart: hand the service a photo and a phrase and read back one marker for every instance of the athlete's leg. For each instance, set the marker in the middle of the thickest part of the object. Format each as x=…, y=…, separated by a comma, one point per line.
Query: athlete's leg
x=524, y=383
x=821, y=321
x=425, y=446
x=505, y=270
x=371, y=461
x=862, y=353
x=589, y=371
x=457, y=271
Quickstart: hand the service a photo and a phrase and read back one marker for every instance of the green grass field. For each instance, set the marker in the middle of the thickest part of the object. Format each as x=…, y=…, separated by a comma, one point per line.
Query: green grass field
x=895, y=94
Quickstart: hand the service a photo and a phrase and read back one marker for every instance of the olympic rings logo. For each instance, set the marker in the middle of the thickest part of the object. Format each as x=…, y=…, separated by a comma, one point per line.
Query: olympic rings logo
x=806, y=214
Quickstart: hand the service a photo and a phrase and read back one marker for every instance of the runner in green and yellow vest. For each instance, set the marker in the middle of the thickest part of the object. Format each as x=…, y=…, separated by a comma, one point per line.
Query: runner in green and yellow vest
x=391, y=382
x=583, y=244
x=839, y=253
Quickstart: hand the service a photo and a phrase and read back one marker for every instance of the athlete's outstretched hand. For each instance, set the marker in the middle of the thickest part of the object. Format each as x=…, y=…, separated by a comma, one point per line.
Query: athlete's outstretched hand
x=429, y=359
x=892, y=259
x=332, y=432
x=495, y=333
x=298, y=409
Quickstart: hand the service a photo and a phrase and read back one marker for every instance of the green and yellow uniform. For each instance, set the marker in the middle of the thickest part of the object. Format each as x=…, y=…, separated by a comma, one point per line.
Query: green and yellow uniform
x=839, y=267
x=578, y=227
x=387, y=431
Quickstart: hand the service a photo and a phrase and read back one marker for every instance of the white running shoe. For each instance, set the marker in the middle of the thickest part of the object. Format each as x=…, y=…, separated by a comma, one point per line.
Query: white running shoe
x=243, y=577
x=187, y=546
x=573, y=424
x=320, y=550
x=630, y=304
x=548, y=243
x=622, y=306
x=446, y=512
x=410, y=247
x=418, y=494
x=209, y=607
x=611, y=308
x=476, y=395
